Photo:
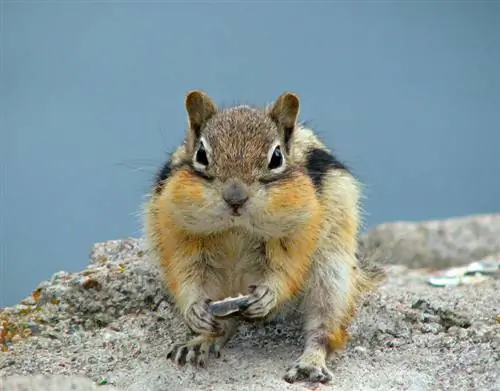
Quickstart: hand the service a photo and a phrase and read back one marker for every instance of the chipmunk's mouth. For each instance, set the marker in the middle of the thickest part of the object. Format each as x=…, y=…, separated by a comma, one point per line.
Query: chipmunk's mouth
x=237, y=216
x=235, y=213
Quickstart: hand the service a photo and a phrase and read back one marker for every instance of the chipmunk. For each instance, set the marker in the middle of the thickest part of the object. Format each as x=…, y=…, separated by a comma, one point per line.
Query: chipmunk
x=253, y=202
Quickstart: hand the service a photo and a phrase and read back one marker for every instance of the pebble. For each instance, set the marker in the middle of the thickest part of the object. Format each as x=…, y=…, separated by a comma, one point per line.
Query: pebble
x=434, y=328
x=360, y=349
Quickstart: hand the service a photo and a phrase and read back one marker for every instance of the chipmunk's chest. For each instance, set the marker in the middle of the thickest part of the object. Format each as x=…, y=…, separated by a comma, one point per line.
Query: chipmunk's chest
x=236, y=260
x=236, y=249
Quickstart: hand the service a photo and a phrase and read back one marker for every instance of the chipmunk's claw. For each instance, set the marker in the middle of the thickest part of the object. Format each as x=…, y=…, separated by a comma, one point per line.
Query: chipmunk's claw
x=308, y=369
x=196, y=351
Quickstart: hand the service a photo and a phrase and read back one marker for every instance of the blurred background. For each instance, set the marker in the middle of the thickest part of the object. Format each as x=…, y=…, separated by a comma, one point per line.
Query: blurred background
x=92, y=95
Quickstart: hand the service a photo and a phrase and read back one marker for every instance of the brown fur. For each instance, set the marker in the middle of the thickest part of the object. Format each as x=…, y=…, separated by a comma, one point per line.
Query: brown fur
x=298, y=241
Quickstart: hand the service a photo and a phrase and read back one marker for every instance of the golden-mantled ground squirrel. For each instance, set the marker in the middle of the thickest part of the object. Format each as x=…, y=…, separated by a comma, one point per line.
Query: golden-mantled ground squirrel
x=253, y=202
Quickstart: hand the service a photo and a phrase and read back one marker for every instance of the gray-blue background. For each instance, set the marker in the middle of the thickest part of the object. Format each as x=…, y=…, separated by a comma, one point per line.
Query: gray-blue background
x=92, y=100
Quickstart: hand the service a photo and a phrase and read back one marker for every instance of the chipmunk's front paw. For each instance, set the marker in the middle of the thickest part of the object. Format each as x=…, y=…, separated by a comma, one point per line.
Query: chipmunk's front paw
x=262, y=302
x=309, y=368
x=201, y=321
x=195, y=351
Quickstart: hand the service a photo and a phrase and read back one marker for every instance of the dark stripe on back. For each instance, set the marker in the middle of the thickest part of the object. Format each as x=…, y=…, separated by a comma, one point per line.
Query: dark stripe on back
x=319, y=162
x=162, y=175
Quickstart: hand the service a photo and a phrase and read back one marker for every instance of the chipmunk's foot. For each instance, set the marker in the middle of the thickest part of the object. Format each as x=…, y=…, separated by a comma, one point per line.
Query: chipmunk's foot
x=197, y=350
x=201, y=321
x=263, y=301
x=309, y=367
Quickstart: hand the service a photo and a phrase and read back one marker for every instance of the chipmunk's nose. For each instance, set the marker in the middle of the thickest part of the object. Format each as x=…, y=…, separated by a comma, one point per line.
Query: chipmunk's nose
x=235, y=194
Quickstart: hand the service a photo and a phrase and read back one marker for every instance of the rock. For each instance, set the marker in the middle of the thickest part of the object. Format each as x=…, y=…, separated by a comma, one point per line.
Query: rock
x=436, y=244
x=117, y=282
x=113, y=322
x=51, y=383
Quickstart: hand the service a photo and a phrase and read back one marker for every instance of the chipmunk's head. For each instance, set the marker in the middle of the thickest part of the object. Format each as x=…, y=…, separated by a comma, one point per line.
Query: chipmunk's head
x=241, y=168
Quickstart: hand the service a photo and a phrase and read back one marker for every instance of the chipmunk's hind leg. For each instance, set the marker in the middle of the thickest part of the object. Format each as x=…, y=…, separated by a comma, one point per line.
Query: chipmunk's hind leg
x=328, y=306
x=197, y=350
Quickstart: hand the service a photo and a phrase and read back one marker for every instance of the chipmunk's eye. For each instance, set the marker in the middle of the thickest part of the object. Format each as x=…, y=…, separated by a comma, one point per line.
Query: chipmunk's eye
x=201, y=155
x=276, y=159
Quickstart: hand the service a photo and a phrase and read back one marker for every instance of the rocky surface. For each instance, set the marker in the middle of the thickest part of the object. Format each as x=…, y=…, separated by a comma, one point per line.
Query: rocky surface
x=436, y=244
x=51, y=383
x=108, y=327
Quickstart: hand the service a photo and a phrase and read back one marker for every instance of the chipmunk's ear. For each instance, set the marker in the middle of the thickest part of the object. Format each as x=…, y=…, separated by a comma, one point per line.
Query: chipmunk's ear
x=200, y=107
x=285, y=112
